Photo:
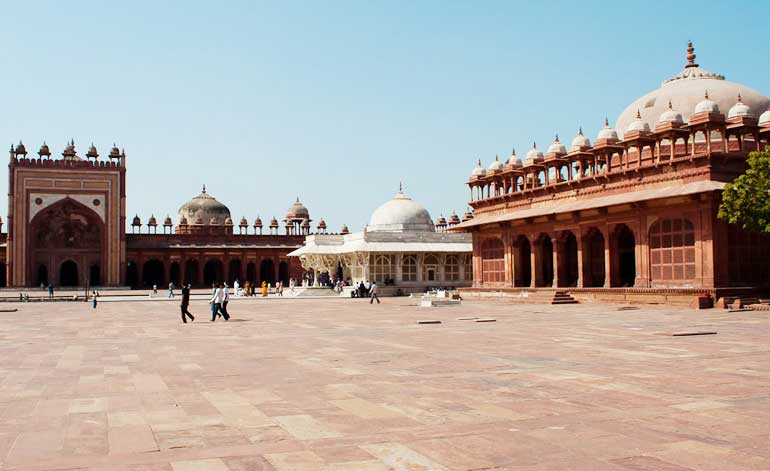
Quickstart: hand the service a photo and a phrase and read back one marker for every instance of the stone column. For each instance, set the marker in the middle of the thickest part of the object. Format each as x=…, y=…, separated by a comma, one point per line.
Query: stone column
x=607, y=257
x=534, y=271
x=556, y=245
x=579, y=239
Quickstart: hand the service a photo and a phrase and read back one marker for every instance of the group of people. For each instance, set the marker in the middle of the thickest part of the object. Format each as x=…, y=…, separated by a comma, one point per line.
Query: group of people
x=364, y=289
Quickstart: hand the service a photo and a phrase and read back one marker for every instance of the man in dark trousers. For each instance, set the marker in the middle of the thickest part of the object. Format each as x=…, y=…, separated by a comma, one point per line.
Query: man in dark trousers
x=185, y=303
x=373, y=292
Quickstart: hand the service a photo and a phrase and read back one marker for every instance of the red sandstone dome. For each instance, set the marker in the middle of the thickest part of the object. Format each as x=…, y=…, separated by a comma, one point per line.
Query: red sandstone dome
x=297, y=211
x=206, y=209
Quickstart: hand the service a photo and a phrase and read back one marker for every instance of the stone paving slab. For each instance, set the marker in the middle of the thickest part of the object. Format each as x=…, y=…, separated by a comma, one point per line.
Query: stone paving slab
x=342, y=385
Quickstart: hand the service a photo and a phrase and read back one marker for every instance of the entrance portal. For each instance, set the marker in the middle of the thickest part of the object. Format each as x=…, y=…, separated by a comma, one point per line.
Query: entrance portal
x=593, y=259
x=626, y=261
x=68, y=274
x=545, y=251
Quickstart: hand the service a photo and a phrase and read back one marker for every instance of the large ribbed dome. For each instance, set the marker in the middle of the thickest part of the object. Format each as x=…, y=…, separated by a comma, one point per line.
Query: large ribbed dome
x=204, y=208
x=685, y=91
x=400, y=214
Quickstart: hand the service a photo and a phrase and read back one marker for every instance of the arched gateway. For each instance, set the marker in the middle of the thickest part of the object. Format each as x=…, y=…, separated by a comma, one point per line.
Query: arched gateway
x=66, y=245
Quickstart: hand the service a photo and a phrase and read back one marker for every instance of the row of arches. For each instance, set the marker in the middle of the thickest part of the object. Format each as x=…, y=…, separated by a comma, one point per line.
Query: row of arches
x=566, y=260
x=153, y=272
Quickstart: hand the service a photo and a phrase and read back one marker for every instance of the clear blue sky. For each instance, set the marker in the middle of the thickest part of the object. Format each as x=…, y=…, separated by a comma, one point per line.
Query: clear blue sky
x=338, y=101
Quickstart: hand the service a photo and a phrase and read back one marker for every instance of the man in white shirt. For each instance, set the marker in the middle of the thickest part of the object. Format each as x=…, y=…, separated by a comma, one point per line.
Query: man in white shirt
x=373, y=293
x=216, y=302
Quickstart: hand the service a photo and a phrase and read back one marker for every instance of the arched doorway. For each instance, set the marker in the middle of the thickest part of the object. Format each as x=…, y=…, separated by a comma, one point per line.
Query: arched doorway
x=191, y=272
x=68, y=273
x=251, y=272
x=94, y=275
x=626, y=256
x=568, y=261
x=42, y=275
x=522, y=262
x=545, y=261
x=153, y=273
x=283, y=272
x=174, y=272
x=593, y=259
x=65, y=231
x=212, y=272
x=235, y=272
x=267, y=271
x=132, y=275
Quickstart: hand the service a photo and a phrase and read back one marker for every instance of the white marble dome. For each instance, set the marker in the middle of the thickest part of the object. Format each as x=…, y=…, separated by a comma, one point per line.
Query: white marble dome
x=534, y=156
x=707, y=105
x=764, y=118
x=637, y=125
x=496, y=165
x=400, y=214
x=580, y=142
x=671, y=115
x=557, y=147
x=478, y=171
x=607, y=132
x=740, y=109
x=514, y=159
x=686, y=91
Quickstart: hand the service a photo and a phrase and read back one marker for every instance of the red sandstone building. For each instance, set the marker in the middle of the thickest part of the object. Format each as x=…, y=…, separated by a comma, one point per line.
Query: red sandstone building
x=632, y=215
x=67, y=226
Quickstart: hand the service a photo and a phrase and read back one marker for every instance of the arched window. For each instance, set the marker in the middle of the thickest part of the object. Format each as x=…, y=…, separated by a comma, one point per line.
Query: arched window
x=430, y=268
x=672, y=251
x=452, y=268
x=381, y=268
x=409, y=268
x=492, y=262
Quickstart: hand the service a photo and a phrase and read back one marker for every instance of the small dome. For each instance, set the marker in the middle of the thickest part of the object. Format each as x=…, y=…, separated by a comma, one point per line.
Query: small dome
x=258, y=222
x=580, y=141
x=297, y=211
x=607, y=132
x=478, y=171
x=467, y=215
x=764, y=118
x=183, y=221
x=400, y=214
x=274, y=222
x=152, y=221
x=21, y=149
x=306, y=223
x=228, y=221
x=557, y=147
x=214, y=221
x=92, y=153
x=69, y=151
x=114, y=152
x=671, y=116
x=136, y=221
x=495, y=166
x=205, y=208
x=740, y=110
x=44, y=151
x=167, y=221
x=199, y=221
x=637, y=125
x=534, y=156
x=454, y=218
x=441, y=221
x=706, y=105
x=243, y=223
x=344, y=230
x=514, y=160
x=322, y=224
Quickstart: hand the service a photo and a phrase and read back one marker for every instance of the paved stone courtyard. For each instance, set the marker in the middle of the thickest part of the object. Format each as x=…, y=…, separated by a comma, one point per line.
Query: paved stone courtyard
x=337, y=384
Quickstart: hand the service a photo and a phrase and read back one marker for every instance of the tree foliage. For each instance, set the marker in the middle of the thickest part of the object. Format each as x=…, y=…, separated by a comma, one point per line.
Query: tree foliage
x=746, y=201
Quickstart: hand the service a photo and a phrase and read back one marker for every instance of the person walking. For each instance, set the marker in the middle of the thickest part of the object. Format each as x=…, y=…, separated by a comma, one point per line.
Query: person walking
x=50, y=291
x=154, y=290
x=279, y=288
x=225, y=300
x=95, y=295
x=185, y=303
x=291, y=285
x=373, y=291
x=264, y=289
x=216, y=302
x=171, y=290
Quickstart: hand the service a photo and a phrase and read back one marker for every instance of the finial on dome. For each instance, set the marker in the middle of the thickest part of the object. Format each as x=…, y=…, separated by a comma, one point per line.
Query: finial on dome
x=479, y=162
x=690, y=55
x=513, y=151
x=638, y=114
x=706, y=95
x=497, y=158
x=669, y=105
x=401, y=186
x=534, y=145
x=204, y=189
x=606, y=122
x=580, y=131
x=740, y=100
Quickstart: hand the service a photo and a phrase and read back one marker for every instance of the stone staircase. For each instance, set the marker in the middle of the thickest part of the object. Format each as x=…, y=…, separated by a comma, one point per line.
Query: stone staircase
x=563, y=297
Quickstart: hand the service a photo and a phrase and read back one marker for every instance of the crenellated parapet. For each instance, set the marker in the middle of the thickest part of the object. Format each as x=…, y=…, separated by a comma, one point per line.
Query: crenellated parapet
x=19, y=157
